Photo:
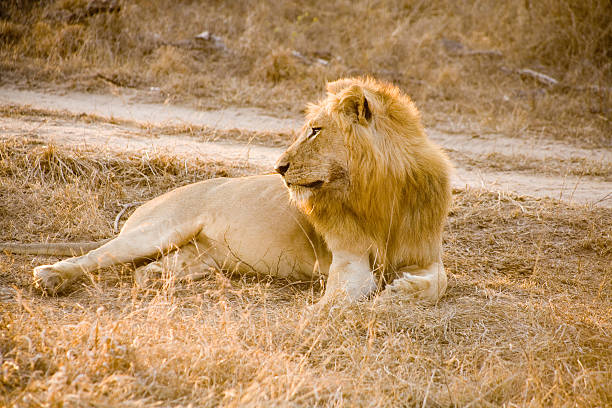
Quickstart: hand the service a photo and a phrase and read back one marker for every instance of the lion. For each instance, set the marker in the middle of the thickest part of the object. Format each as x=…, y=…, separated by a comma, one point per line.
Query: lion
x=361, y=197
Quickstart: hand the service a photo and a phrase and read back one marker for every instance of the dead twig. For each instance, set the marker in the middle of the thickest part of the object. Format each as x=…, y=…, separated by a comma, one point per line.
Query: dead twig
x=123, y=210
x=552, y=82
x=538, y=76
x=489, y=53
x=111, y=81
x=456, y=48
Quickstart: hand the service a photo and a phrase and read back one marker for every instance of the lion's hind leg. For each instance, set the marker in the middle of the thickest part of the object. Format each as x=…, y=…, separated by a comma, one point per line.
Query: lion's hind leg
x=129, y=246
x=188, y=263
x=422, y=284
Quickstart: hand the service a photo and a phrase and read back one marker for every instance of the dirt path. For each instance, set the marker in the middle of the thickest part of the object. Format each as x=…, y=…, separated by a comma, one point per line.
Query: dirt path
x=130, y=105
x=466, y=150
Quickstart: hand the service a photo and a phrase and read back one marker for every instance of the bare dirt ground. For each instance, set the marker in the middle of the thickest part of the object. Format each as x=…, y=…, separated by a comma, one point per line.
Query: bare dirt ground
x=537, y=167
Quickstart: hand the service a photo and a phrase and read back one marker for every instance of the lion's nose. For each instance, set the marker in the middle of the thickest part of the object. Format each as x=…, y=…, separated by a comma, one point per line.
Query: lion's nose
x=281, y=168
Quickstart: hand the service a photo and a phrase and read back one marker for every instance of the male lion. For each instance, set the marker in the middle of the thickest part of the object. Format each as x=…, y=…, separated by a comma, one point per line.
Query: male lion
x=361, y=191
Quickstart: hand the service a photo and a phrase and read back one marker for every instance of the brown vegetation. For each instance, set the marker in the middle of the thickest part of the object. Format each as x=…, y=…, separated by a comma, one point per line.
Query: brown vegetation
x=460, y=60
x=577, y=166
x=526, y=320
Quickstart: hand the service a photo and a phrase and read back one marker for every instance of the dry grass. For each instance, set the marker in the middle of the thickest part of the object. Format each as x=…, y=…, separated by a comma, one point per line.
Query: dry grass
x=526, y=321
x=576, y=166
x=59, y=183
x=459, y=60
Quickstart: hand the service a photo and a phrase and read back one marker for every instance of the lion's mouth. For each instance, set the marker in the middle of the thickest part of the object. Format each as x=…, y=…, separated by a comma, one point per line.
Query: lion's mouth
x=313, y=184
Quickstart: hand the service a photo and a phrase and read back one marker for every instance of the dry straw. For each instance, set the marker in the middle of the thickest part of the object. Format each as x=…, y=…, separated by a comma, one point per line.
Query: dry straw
x=526, y=320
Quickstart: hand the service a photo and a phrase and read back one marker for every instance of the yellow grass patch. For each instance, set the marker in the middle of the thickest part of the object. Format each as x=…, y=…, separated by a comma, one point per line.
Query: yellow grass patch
x=456, y=59
x=526, y=319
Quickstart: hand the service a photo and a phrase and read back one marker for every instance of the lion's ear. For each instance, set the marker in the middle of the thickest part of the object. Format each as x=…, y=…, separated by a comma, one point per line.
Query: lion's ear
x=355, y=104
x=338, y=85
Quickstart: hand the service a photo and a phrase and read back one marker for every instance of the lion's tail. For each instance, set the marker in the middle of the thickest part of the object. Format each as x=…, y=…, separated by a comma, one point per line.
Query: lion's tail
x=54, y=248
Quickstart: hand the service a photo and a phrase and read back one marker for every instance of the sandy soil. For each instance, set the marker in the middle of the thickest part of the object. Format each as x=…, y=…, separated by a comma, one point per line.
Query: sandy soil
x=129, y=106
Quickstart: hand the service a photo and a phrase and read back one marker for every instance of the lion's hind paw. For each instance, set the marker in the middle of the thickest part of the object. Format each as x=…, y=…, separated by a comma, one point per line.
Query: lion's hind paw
x=49, y=280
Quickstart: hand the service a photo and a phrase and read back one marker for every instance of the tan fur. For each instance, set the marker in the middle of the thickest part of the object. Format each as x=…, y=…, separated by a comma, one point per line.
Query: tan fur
x=367, y=193
x=64, y=248
x=393, y=203
x=243, y=225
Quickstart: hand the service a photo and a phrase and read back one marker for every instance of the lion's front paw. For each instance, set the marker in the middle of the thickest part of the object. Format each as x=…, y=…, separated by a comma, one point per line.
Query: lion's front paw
x=417, y=288
x=49, y=280
x=407, y=288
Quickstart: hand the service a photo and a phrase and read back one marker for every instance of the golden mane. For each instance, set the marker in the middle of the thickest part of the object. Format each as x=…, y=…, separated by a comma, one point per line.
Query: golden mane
x=399, y=192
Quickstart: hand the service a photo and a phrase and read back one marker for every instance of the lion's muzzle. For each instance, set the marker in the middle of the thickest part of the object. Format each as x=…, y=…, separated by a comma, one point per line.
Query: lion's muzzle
x=281, y=167
x=283, y=163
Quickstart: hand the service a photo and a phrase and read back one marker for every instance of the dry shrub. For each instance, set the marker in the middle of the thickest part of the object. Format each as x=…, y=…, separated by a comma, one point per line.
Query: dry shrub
x=564, y=34
x=45, y=40
x=70, y=39
x=169, y=61
x=447, y=80
x=71, y=4
x=279, y=65
x=425, y=47
x=10, y=33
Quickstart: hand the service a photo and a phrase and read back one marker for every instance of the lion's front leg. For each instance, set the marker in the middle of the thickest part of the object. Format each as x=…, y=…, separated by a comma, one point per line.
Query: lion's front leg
x=350, y=278
x=423, y=284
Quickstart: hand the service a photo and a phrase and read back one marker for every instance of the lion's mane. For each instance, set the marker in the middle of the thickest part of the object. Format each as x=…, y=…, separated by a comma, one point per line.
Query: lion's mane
x=399, y=193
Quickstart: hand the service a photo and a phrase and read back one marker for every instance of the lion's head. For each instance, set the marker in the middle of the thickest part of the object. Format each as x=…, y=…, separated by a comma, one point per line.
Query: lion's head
x=366, y=174
x=318, y=161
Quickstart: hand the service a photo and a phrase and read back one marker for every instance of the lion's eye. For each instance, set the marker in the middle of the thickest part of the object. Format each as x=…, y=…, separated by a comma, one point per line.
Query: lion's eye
x=314, y=132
